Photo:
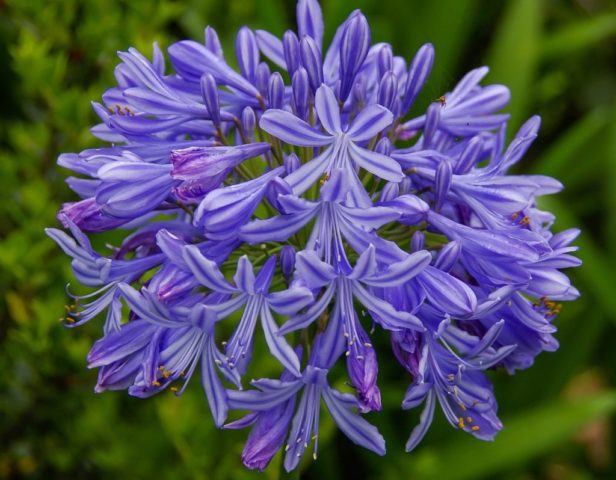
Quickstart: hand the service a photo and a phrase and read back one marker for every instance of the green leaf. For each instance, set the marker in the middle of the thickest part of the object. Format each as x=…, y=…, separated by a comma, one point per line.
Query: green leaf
x=514, y=55
x=524, y=438
x=563, y=159
x=578, y=36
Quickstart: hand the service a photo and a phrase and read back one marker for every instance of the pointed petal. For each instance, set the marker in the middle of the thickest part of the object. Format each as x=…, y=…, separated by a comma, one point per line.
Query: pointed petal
x=275, y=229
x=312, y=270
x=371, y=121
x=290, y=129
x=244, y=276
x=290, y=301
x=309, y=173
x=316, y=309
x=401, y=272
x=380, y=165
x=425, y=420
x=328, y=109
x=365, y=266
x=205, y=270
x=214, y=391
x=384, y=313
x=277, y=344
x=358, y=430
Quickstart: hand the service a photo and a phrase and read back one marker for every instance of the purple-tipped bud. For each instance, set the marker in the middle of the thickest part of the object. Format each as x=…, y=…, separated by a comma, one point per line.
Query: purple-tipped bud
x=383, y=146
x=354, y=47
x=301, y=93
x=388, y=90
x=290, y=46
x=448, y=256
x=442, y=183
x=363, y=368
x=88, y=216
x=209, y=92
x=287, y=261
x=263, y=76
x=310, y=21
x=212, y=42
x=311, y=60
x=390, y=192
x=418, y=240
x=276, y=91
x=433, y=116
x=247, y=52
x=291, y=163
x=384, y=60
x=418, y=74
x=202, y=169
x=469, y=156
x=249, y=120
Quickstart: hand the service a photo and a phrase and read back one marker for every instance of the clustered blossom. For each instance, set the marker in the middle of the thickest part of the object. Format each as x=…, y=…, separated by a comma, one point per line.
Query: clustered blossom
x=299, y=203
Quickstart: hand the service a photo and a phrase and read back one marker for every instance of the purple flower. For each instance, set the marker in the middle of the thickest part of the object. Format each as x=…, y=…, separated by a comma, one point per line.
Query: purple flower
x=310, y=213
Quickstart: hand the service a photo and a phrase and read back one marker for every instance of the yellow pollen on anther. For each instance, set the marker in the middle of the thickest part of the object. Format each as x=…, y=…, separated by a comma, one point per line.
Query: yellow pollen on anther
x=174, y=389
x=156, y=383
x=469, y=419
x=475, y=428
x=461, y=422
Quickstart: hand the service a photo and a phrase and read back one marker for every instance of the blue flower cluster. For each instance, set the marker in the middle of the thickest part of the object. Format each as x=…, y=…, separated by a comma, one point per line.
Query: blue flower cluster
x=298, y=203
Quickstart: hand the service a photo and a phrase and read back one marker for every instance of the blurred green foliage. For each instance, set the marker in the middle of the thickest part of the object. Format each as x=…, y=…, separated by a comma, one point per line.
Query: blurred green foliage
x=558, y=57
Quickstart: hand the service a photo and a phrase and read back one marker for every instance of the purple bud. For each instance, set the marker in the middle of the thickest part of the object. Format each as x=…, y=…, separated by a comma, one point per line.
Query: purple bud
x=363, y=368
x=384, y=60
x=247, y=52
x=276, y=91
x=202, y=169
x=290, y=45
x=287, y=261
x=469, y=156
x=275, y=188
x=301, y=91
x=311, y=60
x=383, y=146
x=310, y=21
x=291, y=163
x=388, y=90
x=209, y=92
x=249, y=120
x=418, y=74
x=433, y=116
x=358, y=94
x=354, y=47
x=405, y=185
x=212, y=43
x=88, y=216
x=448, y=257
x=263, y=76
x=442, y=183
x=418, y=241
x=390, y=192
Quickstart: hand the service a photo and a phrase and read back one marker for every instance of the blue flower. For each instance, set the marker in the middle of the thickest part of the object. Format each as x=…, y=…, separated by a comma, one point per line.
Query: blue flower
x=296, y=200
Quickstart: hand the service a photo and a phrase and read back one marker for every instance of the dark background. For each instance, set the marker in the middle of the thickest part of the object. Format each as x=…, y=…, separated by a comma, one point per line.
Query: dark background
x=558, y=58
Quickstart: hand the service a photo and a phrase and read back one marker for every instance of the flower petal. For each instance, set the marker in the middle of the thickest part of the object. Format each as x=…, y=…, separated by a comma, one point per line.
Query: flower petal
x=290, y=129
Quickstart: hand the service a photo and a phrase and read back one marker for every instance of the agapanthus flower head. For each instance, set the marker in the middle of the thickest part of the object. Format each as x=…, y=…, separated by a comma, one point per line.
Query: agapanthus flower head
x=315, y=212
